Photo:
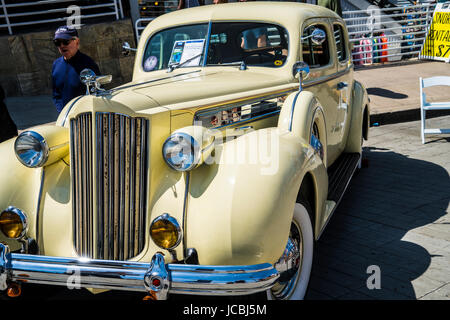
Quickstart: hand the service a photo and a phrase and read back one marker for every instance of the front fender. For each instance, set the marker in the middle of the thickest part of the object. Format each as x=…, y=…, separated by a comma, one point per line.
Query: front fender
x=298, y=114
x=19, y=188
x=240, y=206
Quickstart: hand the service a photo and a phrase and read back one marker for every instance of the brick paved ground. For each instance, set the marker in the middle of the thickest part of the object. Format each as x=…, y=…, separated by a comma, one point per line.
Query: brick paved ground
x=395, y=215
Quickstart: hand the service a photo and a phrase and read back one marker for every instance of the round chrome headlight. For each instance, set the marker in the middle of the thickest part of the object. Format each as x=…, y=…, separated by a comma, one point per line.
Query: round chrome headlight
x=181, y=151
x=13, y=223
x=165, y=231
x=31, y=149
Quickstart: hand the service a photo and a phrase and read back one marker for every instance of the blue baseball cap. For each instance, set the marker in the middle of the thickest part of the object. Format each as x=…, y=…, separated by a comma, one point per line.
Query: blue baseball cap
x=66, y=33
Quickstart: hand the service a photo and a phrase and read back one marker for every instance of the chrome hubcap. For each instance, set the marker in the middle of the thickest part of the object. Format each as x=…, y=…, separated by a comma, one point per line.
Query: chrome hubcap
x=289, y=265
x=315, y=141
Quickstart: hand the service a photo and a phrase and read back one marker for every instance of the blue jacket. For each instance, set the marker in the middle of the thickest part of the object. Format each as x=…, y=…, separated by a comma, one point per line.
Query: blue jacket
x=66, y=78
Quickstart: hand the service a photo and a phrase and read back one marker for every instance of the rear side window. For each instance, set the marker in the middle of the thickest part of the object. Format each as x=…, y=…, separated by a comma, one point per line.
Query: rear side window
x=339, y=37
x=257, y=44
x=314, y=54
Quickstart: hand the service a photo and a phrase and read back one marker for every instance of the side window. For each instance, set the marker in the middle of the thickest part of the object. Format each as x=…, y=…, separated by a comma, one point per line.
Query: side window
x=341, y=49
x=255, y=43
x=314, y=54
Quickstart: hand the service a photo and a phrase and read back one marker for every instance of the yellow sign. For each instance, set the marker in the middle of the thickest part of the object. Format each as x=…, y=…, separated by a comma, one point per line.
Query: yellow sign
x=437, y=42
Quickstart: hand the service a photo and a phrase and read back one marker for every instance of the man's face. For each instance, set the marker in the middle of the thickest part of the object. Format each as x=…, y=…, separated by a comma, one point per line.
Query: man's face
x=68, y=48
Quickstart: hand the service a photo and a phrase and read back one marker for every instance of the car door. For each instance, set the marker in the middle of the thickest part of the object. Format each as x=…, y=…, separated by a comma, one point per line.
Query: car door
x=344, y=81
x=322, y=80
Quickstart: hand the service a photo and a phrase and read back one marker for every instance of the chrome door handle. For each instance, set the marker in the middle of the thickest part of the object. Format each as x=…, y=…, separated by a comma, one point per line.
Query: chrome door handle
x=244, y=128
x=342, y=85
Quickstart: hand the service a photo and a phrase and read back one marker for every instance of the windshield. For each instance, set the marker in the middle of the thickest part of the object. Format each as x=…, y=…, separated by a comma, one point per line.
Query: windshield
x=255, y=44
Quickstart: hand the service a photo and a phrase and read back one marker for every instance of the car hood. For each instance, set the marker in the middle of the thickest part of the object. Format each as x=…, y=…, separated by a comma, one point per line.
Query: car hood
x=191, y=87
x=183, y=88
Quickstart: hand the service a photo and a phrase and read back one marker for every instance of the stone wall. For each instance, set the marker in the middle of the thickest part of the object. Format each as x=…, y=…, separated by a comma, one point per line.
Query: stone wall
x=26, y=60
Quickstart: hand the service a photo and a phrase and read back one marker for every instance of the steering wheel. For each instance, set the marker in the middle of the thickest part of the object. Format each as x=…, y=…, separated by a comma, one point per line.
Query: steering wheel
x=264, y=53
x=264, y=56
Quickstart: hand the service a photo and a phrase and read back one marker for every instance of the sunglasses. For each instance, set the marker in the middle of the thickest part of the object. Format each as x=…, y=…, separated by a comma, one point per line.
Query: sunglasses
x=64, y=42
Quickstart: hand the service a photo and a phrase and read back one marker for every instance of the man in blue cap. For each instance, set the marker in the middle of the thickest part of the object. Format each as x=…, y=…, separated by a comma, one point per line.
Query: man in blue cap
x=66, y=69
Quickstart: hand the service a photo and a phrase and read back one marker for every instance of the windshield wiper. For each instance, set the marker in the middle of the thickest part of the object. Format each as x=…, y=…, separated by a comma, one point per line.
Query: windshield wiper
x=177, y=65
x=242, y=65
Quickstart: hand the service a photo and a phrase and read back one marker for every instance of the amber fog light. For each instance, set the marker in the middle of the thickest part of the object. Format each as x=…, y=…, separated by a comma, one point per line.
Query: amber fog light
x=165, y=232
x=13, y=223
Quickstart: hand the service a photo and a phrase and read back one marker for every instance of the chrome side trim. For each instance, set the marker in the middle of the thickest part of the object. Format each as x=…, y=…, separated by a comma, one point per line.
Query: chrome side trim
x=38, y=207
x=327, y=78
x=58, y=146
x=69, y=109
x=136, y=276
x=292, y=110
x=267, y=115
x=187, y=177
x=151, y=81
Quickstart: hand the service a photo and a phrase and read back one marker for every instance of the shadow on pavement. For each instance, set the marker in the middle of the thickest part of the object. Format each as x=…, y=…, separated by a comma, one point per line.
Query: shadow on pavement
x=386, y=93
x=394, y=195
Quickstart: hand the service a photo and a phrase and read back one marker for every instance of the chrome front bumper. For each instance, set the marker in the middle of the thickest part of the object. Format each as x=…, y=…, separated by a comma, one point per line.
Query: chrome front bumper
x=156, y=278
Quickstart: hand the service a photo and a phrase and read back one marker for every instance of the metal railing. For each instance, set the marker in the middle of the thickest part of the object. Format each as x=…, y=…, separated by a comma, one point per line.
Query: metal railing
x=389, y=34
x=140, y=25
x=14, y=15
x=152, y=8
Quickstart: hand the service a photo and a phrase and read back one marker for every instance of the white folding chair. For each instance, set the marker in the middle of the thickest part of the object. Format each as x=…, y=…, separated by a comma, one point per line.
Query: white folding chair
x=426, y=106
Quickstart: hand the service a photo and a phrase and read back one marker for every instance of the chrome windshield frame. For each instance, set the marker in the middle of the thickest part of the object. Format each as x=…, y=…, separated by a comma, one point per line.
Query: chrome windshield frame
x=208, y=38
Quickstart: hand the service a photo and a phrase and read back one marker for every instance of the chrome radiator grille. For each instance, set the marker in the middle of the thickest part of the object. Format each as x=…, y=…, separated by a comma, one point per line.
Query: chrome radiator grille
x=109, y=180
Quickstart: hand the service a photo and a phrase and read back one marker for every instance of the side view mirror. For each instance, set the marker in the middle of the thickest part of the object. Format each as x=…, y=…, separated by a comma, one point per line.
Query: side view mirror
x=93, y=82
x=300, y=69
x=127, y=48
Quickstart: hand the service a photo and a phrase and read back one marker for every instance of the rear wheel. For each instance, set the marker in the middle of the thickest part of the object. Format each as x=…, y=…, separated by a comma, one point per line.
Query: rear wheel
x=295, y=263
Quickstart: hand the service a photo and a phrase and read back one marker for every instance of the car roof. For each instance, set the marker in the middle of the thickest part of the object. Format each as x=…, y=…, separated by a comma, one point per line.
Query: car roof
x=288, y=14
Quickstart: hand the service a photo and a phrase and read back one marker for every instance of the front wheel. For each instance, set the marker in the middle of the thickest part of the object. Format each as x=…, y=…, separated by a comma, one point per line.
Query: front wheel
x=295, y=264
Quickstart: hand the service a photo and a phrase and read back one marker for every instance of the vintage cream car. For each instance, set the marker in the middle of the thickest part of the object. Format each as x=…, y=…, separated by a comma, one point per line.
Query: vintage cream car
x=211, y=173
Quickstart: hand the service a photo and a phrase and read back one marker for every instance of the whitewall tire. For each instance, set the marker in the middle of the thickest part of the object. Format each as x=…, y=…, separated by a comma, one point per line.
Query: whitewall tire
x=293, y=283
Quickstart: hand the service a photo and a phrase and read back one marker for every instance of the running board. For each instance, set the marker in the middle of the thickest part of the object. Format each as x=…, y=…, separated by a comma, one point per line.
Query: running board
x=340, y=174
